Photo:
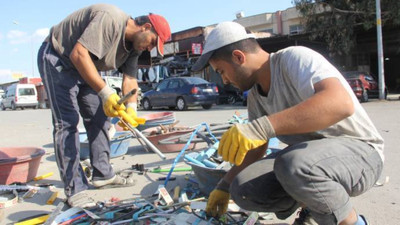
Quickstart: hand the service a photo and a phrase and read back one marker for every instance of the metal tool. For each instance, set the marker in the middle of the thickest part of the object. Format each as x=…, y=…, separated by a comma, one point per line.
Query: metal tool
x=136, y=131
x=54, y=214
x=144, y=138
x=125, y=97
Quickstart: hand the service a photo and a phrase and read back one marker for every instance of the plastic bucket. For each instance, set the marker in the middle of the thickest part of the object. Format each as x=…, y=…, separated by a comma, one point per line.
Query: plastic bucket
x=19, y=164
x=156, y=119
x=165, y=148
x=119, y=144
x=208, y=178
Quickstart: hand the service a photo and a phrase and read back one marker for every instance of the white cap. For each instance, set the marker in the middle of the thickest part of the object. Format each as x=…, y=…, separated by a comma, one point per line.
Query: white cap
x=223, y=34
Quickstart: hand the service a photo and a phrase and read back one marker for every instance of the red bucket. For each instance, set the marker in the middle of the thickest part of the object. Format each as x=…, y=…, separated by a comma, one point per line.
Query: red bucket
x=19, y=164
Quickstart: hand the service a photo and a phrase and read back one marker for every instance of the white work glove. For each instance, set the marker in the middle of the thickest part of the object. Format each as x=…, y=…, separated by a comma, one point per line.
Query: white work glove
x=110, y=102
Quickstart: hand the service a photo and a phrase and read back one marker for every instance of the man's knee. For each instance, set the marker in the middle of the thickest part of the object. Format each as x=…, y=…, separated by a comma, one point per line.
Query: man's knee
x=242, y=195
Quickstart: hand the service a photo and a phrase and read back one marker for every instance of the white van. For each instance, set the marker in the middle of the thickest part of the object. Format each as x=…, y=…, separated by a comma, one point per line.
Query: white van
x=20, y=96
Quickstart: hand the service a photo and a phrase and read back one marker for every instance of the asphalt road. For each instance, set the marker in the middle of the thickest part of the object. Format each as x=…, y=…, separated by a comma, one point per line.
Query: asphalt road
x=381, y=205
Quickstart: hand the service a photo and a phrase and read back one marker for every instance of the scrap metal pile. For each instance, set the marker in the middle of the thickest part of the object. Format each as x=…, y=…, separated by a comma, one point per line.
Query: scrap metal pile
x=184, y=204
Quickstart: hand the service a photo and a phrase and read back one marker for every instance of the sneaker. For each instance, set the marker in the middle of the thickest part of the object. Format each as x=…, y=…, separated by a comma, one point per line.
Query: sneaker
x=115, y=181
x=304, y=218
x=81, y=200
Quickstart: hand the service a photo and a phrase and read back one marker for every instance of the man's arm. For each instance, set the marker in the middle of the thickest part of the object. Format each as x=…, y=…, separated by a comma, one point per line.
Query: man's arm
x=129, y=83
x=83, y=63
x=330, y=104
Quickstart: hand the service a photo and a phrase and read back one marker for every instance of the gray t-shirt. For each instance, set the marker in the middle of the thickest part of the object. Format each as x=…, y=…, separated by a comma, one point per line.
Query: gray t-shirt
x=101, y=29
x=294, y=71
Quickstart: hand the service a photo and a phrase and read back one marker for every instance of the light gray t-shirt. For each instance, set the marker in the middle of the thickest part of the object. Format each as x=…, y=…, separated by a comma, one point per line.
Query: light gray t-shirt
x=294, y=71
x=101, y=29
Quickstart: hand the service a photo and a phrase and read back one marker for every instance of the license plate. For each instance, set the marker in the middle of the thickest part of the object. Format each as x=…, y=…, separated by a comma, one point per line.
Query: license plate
x=208, y=90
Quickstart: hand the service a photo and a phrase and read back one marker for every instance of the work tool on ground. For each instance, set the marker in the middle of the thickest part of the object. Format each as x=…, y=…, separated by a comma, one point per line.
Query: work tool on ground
x=54, y=214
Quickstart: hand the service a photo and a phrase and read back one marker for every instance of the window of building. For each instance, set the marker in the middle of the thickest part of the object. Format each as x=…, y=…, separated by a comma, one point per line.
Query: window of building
x=269, y=30
x=296, y=29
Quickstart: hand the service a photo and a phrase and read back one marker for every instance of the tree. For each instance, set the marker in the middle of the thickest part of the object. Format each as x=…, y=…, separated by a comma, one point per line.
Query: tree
x=337, y=21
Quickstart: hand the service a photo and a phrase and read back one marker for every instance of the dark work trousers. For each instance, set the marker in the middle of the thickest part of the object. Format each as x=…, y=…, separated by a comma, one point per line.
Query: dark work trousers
x=321, y=175
x=70, y=97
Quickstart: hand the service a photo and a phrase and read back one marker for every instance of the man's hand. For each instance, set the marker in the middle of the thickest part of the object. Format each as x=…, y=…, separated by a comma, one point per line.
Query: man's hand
x=241, y=138
x=110, y=102
x=130, y=116
x=217, y=204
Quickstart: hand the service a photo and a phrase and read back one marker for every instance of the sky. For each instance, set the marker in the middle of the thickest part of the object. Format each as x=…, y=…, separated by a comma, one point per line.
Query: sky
x=25, y=23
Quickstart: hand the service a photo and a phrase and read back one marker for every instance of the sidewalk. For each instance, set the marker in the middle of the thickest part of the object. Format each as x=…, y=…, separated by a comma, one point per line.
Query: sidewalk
x=393, y=97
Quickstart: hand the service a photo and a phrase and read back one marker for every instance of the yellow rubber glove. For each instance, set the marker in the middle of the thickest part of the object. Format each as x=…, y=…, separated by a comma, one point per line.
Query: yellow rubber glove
x=110, y=102
x=217, y=204
x=131, y=118
x=241, y=138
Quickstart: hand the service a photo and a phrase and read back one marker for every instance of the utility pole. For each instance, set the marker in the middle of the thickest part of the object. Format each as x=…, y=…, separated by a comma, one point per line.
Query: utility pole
x=381, y=73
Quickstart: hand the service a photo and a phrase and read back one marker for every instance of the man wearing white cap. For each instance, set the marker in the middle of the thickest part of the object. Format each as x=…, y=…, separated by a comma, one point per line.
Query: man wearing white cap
x=333, y=151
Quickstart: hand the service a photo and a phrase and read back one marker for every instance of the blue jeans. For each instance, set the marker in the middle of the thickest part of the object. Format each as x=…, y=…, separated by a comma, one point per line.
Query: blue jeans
x=320, y=174
x=70, y=97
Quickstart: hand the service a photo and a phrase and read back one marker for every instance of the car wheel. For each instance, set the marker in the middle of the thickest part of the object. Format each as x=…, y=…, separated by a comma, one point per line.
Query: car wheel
x=244, y=103
x=231, y=99
x=3, y=107
x=364, y=97
x=181, y=104
x=13, y=106
x=207, y=106
x=146, y=104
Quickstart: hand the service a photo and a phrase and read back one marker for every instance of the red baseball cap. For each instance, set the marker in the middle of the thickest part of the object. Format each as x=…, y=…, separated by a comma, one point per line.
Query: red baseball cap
x=161, y=26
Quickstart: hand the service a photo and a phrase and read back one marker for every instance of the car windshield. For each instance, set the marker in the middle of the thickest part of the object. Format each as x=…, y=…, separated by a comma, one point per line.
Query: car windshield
x=196, y=80
x=26, y=91
x=114, y=81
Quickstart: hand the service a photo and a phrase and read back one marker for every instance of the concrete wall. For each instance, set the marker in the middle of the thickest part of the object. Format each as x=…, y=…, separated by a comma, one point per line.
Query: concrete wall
x=279, y=21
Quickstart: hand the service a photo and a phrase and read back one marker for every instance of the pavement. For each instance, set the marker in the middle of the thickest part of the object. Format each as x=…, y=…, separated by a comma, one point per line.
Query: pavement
x=381, y=205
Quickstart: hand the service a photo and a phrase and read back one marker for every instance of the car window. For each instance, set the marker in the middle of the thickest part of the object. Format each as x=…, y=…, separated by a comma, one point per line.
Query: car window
x=114, y=81
x=196, y=80
x=162, y=86
x=173, y=84
x=26, y=91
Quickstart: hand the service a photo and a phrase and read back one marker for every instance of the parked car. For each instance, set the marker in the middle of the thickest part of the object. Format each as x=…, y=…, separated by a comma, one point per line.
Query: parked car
x=364, y=85
x=1, y=94
x=180, y=93
x=228, y=94
x=20, y=96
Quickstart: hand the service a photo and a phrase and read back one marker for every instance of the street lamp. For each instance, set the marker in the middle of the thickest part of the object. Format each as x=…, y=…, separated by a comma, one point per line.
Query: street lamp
x=381, y=73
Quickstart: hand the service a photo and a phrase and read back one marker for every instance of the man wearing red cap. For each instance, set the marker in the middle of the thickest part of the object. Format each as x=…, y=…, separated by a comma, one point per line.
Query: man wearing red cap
x=100, y=37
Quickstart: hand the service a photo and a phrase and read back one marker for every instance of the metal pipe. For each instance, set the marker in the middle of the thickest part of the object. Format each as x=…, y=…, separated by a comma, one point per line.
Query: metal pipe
x=148, y=143
x=125, y=97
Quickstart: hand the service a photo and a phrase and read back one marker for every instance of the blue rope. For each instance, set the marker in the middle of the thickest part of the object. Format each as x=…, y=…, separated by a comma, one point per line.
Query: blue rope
x=185, y=147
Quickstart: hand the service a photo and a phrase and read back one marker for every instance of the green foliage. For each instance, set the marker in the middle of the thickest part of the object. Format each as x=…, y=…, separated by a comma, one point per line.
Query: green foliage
x=336, y=21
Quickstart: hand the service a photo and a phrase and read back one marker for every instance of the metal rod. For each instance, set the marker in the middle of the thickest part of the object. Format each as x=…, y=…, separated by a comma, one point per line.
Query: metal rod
x=125, y=97
x=148, y=143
